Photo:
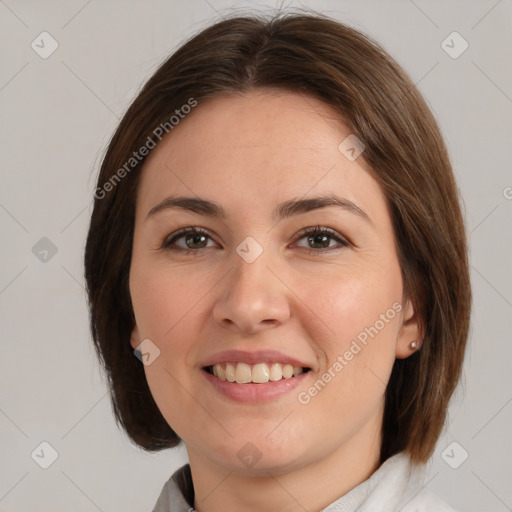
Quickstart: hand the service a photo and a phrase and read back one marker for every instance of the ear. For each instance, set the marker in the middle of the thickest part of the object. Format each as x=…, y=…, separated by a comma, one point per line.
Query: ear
x=411, y=330
x=135, y=337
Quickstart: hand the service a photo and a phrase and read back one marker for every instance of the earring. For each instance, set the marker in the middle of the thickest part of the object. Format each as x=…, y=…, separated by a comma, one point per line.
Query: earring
x=414, y=345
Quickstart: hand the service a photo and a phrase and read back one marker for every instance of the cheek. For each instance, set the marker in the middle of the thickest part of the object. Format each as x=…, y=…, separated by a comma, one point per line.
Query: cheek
x=361, y=312
x=166, y=306
x=164, y=299
x=352, y=299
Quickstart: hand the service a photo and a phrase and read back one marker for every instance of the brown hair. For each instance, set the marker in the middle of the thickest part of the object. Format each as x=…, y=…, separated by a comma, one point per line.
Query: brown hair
x=404, y=152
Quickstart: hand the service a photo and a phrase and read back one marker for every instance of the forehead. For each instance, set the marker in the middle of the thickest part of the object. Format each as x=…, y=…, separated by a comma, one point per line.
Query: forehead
x=261, y=147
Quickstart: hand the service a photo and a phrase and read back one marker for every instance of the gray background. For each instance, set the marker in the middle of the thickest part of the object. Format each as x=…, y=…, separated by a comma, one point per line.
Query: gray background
x=57, y=116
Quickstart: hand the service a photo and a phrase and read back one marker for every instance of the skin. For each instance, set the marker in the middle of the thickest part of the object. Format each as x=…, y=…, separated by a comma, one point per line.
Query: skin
x=250, y=152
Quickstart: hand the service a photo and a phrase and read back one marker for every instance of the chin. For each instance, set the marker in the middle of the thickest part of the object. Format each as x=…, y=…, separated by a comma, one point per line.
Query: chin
x=259, y=455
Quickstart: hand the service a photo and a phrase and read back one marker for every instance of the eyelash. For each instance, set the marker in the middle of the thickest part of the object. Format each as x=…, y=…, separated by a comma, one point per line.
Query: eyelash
x=169, y=241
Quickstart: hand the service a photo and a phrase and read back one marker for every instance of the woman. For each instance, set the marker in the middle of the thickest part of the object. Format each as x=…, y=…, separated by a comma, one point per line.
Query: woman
x=277, y=237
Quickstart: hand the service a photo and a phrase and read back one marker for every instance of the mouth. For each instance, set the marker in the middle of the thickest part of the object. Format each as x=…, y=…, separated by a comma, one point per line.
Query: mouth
x=259, y=373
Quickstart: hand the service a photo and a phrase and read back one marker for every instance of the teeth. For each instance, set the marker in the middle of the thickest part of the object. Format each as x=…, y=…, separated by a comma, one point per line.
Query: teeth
x=276, y=372
x=287, y=371
x=260, y=373
x=243, y=373
x=230, y=372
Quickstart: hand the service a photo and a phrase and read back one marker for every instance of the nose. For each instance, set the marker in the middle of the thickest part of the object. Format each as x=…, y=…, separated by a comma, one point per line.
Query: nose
x=252, y=297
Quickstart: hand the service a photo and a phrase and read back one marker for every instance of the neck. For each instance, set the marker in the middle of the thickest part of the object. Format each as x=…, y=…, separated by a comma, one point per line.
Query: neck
x=310, y=486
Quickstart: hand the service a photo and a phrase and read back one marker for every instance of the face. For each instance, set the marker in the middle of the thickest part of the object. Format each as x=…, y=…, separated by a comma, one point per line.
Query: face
x=253, y=289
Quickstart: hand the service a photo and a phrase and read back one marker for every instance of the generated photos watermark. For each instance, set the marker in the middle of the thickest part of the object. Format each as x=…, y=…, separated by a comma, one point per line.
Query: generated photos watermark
x=361, y=340
x=139, y=155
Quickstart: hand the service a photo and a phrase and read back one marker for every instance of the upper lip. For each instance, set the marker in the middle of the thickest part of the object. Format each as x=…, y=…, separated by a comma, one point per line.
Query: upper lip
x=258, y=356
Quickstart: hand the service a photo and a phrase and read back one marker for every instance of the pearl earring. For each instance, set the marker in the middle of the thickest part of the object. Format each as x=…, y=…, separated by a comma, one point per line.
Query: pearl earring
x=414, y=345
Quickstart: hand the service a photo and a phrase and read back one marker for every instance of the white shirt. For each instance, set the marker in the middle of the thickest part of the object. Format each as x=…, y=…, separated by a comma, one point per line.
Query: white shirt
x=397, y=485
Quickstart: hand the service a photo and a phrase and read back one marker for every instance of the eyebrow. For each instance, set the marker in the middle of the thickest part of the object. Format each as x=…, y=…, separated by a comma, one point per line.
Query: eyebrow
x=282, y=211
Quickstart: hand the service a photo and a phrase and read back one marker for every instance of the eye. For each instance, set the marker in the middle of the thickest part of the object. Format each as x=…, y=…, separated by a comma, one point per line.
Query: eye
x=322, y=238
x=194, y=238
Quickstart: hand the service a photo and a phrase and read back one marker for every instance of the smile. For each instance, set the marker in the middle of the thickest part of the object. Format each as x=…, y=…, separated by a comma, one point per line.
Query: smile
x=259, y=373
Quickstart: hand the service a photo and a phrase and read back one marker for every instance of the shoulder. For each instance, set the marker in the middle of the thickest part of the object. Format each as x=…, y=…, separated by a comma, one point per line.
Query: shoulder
x=177, y=493
x=427, y=501
x=399, y=485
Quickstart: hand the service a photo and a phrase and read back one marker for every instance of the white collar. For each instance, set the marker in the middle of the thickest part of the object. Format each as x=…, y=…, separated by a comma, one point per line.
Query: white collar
x=397, y=485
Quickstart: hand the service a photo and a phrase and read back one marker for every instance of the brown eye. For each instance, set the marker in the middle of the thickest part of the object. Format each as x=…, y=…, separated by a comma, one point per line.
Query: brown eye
x=319, y=239
x=193, y=240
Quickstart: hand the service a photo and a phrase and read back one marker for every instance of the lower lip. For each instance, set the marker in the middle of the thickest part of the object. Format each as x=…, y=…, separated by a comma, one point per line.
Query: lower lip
x=254, y=393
